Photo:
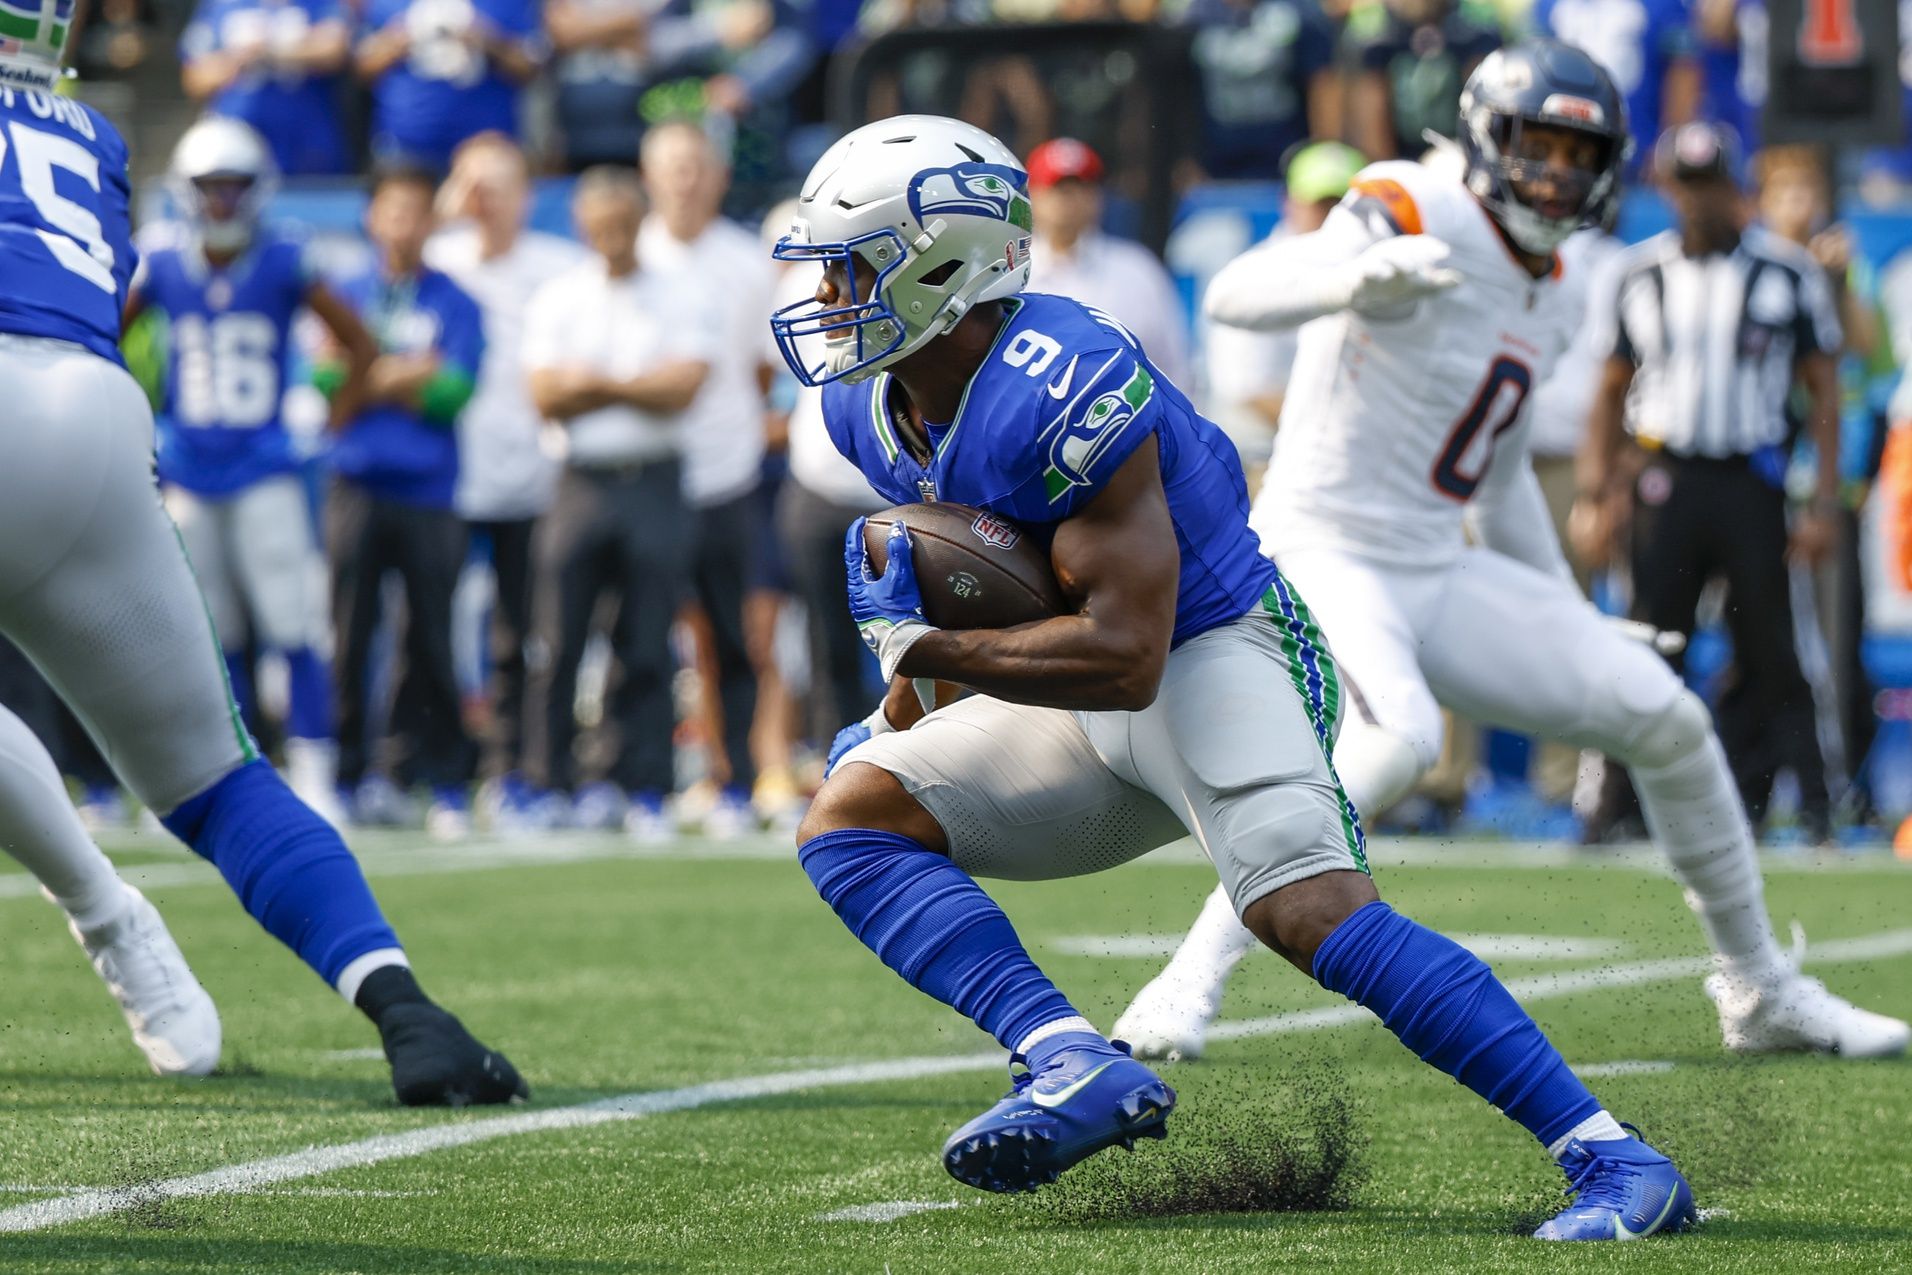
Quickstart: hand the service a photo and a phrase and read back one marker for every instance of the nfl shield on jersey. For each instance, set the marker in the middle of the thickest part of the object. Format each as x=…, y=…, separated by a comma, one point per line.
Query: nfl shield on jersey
x=66, y=248
x=1390, y=425
x=1064, y=398
x=228, y=344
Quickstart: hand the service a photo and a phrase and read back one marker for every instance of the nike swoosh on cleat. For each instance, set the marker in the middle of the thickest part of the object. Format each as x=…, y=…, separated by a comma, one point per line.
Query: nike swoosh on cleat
x=1060, y=386
x=1063, y=1095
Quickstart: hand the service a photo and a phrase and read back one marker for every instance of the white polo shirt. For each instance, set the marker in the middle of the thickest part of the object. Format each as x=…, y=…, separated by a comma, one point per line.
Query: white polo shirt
x=621, y=328
x=504, y=472
x=1125, y=281
x=723, y=432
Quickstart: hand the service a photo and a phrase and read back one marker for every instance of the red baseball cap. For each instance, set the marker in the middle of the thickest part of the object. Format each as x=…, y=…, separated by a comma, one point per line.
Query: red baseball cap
x=1063, y=159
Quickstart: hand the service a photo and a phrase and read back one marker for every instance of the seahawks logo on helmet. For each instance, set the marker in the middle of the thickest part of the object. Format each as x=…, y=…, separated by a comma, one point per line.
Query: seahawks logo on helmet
x=996, y=191
x=1087, y=436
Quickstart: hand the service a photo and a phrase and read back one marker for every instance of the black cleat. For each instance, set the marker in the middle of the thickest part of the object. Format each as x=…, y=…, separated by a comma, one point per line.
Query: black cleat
x=437, y=1063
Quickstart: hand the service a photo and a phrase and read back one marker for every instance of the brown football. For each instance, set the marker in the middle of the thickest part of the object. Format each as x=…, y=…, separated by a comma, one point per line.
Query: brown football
x=976, y=570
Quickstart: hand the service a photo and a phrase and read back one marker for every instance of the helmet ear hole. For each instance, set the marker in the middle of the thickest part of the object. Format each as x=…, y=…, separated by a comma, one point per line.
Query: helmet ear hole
x=942, y=274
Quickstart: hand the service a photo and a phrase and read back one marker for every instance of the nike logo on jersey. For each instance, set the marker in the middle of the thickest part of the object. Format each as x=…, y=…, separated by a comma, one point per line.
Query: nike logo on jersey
x=1060, y=386
x=1060, y=1096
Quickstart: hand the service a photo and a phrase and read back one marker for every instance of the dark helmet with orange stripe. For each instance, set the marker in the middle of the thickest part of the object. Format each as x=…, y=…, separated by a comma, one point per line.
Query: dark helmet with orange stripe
x=1542, y=84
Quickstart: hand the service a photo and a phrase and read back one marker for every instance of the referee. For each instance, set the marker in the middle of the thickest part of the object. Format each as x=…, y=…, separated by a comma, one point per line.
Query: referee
x=1716, y=321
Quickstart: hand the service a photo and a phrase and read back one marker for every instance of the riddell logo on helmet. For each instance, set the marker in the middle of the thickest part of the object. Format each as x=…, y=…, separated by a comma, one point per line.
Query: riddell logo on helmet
x=1566, y=107
x=992, y=530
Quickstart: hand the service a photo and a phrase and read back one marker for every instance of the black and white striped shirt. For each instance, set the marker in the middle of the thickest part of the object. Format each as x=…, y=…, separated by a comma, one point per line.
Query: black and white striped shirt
x=1715, y=340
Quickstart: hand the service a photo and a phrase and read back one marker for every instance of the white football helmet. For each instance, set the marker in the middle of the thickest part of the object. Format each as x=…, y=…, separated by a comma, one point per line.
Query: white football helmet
x=937, y=213
x=33, y=34
x=214, y=151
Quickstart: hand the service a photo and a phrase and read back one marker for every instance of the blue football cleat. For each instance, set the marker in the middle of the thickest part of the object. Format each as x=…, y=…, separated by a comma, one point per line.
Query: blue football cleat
x=1623, y=1190
x=1083, y=1098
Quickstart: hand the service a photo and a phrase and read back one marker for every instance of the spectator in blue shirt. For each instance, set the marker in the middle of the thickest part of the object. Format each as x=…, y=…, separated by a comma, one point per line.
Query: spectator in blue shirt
x=1647, y=46
x=274, y=64
x=390, y=510
x=1268, y=82
x=1731, y=41
x=445, y=70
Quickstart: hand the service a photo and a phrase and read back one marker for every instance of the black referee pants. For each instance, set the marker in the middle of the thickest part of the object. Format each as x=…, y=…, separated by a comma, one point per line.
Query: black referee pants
x=1696, y=519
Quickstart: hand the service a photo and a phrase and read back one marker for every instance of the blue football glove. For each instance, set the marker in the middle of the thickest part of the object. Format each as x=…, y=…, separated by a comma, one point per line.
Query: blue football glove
x=888, y=609
x=877, y=723
x=846, y=739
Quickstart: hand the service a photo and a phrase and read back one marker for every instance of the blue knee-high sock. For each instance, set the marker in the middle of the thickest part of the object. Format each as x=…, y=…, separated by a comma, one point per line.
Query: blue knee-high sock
x=1446, y=1005
x=309, y=716
x=288, y=867
x=932, y=924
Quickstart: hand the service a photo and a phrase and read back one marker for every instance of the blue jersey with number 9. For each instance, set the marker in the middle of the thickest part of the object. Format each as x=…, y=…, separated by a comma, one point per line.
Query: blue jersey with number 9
x=66, y=249
x=1064, y=398
x=229, y=333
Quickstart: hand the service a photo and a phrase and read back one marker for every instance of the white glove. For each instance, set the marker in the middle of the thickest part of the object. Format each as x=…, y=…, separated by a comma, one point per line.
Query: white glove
x=1390, y=276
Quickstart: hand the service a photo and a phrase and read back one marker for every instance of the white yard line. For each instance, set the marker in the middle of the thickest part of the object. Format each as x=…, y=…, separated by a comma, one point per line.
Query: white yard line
x=887, y=1210
x=458, y=1132
x=1489, y=947
x=395, y=854
x=1623, y=1067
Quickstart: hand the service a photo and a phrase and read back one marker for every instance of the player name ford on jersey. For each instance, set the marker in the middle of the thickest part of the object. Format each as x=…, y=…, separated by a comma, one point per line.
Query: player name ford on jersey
x=1383, y=441
x=1064, y=398
x=66, y=248
x=228, y=343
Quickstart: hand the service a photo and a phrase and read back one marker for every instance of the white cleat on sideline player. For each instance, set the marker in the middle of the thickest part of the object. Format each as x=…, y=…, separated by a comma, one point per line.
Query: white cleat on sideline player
x=174, y=1021
x=1791, y=1013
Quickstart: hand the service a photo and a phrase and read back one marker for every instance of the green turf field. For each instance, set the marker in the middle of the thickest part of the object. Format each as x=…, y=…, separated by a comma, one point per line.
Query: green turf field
x=744, y=1024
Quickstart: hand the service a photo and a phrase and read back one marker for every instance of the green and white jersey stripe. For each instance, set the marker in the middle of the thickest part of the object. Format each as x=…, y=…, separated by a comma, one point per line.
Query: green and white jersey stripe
x=1316, y=680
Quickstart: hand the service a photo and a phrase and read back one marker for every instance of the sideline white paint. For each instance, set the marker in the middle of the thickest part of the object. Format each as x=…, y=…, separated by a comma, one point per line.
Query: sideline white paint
x=396, y=854
x=1536, y=987
x=887, y=1210
x=1623, y=1067
x=1489, y=947
x=466, y=1131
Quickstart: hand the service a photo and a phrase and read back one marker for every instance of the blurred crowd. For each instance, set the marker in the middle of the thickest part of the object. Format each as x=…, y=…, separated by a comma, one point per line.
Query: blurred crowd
x=582, y=531
x=334, y=83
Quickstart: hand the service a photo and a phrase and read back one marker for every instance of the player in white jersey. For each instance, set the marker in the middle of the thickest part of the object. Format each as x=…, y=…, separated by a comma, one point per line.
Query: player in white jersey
x=1430, y=306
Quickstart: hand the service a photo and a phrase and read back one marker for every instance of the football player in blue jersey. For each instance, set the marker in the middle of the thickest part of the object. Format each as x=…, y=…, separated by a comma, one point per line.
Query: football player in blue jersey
x=95, y=588
x=230, y=289
x=1187, y=691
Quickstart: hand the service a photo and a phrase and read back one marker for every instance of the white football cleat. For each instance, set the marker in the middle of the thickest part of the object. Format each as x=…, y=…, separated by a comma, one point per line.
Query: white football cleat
x=174, y=1021
x=1791, y=1013
x=1169, y=1018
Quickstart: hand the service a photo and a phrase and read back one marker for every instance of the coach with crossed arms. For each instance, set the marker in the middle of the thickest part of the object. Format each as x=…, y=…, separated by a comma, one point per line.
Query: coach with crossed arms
x=616, y=352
